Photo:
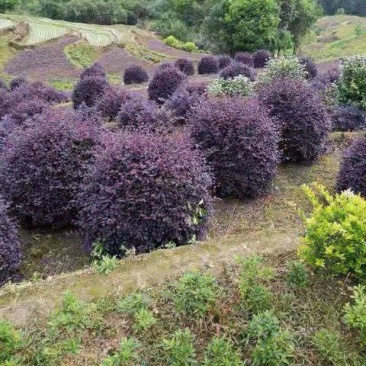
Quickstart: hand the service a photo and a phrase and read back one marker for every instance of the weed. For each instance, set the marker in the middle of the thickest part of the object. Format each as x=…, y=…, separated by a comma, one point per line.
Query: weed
x=297, y=275
x=263, y=326
x=10, y=340
x=221, y=352
x=125, y=354
x=106, y=265
x=144, y=319
x=133, y=303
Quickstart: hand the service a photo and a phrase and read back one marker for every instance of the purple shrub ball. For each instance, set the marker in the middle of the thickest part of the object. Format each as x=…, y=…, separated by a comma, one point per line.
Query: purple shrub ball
x=347, y=118
x=224, y=60
x=245, y=58
x=165, y=65
x=208, y=65
x=10, y=252
x=301, y=116
x=110, y=103
x=327, y=78
x=197, y=87
x=96, y=71
x=89, y=90
x=144, y=192
x=261, y=58
x=352, y=174
x=135, y=74
x=310, y=66
x=17, y=82
x=44, y=165
x=185, y=66
x=240, y=143
x=164, y=83
x=236, y=69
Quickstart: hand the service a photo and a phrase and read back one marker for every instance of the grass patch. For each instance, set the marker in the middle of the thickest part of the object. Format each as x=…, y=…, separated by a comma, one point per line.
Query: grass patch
x=64, y=84
x=6, y=53
x=82, y=54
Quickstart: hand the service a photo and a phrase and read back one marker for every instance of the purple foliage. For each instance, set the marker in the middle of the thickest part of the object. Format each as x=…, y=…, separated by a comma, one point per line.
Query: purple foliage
x=44, y=164
x=185, y=66
x=110, y=103
x=135, y=74
x=310, y=66
x=10, y=255
x=3, y=85
x=95, y=71
x=245, y=58
x=347, y=118
x=261, y=58
x=197, y=87
x=327, y=78
x=240, y=143
x=164, y=83
x=17, y=82
x=143, y=192
x=352, y=174
x=89, y=90
x=224, y=60
x=236, y=69
x=301, y=117
x=208, y=65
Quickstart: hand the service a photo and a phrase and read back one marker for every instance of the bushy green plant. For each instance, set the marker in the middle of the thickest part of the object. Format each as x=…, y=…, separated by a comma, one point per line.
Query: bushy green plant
x=125, y=354
x=10, y=341
x=352, y=84
x=283, y=67
x=176, y=43
x=239, y=85
x=195, y=294
x=335, y=232
x=106, y=264
x=221, y=352
x=179, y=350
x=262, y=326
x=297, y=275
x=133, y=303
x=355, y=313
x=144, y=319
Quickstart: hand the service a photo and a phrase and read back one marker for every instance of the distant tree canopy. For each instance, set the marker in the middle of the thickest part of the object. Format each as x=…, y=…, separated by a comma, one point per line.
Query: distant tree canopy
x=6, y=5
x=354, y=7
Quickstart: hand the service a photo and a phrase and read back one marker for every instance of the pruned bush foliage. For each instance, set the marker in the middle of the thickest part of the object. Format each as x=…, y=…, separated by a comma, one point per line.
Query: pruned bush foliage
x=239, y=141
x=301, y=117
x=135, y=74
x=347, y=118
x=261, y=58
x=245, y=57
x=310, y=66
x=17, y=82
x=164, y=83
x=3, y=85
x=111, y=102
x=145, y=191
x=44, y=164
x=327, y=78
x=236, y=69
x=352, y=174
x=197, y=87
x=208, y=65
x=95, y=71
x=10, y=255
x=185, y=66
x=224, y=60
x=89, y=90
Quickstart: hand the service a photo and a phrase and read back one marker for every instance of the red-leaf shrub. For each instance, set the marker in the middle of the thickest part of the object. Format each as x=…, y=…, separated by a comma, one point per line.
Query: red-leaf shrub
x=327, y=78
x=352, y=174
x=164, y=83
x=185, y=66
x=17, y=82
x=10, y=255
x=240, y=144
x=197, y=87
x=310, y=66
x=347, y=118
x=145, y=191
x=261, y=58
x=135, y=74
x=224, y=60
x=89, y=90
x=110, y=103
x=301, y=117
x=43, y=165
x=245, y=57
x=236, y=69
x=96, y=71
x=208, y=65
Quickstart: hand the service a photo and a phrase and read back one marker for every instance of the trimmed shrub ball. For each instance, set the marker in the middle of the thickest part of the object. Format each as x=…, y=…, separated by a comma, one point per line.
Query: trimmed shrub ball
x=240, y=143
x=10, y=255
x=17, y=82
x=89, y=90
x=245, y=58
x=347, y=118
x=352, y=174
x=135, y=74
x=144, y=192
x=261, y=58
x=310, y=66
x=111, y=102
x=96, y=71
x=327, y=78
x=301, y=116
x=224, y=60
x=208, y=65
x=164, y=83
x=185, y=66
x=43, y=166
x=197, y=87
x=236, y=69
x=165, y=65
